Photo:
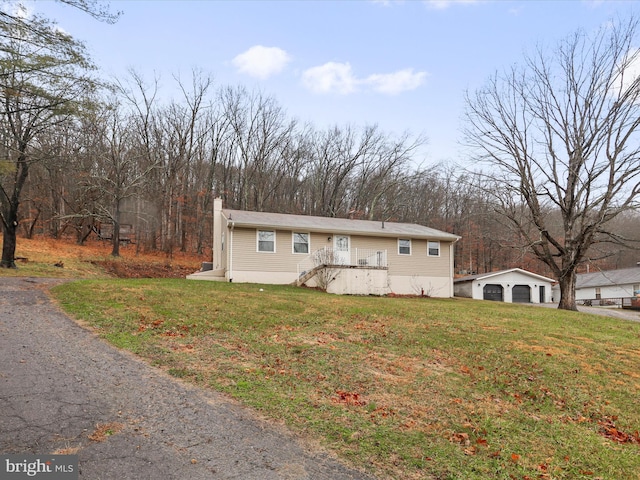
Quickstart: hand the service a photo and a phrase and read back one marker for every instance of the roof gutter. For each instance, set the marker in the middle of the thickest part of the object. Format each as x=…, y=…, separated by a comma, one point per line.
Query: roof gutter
x=382, y=233
x=230, y=225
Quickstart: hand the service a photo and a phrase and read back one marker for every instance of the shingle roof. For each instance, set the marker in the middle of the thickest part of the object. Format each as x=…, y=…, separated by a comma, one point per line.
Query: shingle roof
x=335, y=225
x=625, y=276
x=500, y=272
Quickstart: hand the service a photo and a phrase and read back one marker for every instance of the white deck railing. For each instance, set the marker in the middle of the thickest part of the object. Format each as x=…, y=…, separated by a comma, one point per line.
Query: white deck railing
x=367, y=257
x=359, y=257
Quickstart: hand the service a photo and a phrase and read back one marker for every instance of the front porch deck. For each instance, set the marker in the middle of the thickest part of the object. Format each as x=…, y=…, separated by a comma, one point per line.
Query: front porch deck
x=326, y=259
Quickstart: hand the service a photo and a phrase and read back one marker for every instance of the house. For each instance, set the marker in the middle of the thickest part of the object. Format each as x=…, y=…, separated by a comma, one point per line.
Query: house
x=513, y=286
x=339, y=255
x=608, y=284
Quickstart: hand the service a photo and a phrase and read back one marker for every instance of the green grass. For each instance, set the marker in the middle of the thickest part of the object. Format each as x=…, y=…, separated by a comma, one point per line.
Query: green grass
x=70, y=268
x=401, y=387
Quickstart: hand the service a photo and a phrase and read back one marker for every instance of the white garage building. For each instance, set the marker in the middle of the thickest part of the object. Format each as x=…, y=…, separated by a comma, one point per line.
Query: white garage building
x=512, y=286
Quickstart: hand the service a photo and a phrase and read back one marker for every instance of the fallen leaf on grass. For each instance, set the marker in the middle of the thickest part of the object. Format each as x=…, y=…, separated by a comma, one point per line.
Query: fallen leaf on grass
x=461, y=438
x=470, y=451
x=349, y=398
x=172, y=333
x=612, y=432
x=482, y=442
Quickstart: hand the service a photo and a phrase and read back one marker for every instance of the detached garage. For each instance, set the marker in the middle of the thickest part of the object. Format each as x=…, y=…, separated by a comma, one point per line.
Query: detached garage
x=512, y=286
x=493, y=291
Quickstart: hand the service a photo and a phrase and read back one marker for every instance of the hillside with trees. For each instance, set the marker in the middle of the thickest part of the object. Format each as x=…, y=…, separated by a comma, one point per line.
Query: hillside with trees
x=127, y=155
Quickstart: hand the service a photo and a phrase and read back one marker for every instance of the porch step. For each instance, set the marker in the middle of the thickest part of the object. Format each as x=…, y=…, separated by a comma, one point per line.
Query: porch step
x=309, y=275
x=215, y=275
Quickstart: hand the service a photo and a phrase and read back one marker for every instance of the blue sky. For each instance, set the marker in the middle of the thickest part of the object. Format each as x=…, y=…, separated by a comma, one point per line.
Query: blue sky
x=403, y=65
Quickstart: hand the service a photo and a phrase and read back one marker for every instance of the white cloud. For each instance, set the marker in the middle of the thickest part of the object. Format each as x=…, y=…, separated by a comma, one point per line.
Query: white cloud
x=594, y=3
x=22, y=11
x=333, y=77
x=628, y=73
x=444, y=4
x=330, y=77
x=395, y=83
x=262, y=62
x=16, y=9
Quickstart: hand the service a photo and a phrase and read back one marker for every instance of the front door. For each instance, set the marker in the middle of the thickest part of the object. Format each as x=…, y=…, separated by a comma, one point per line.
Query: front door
x=341, y=249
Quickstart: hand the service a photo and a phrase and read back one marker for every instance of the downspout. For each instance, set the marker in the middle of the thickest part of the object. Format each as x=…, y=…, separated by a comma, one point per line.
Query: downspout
x=452, y=272
x=231, y=224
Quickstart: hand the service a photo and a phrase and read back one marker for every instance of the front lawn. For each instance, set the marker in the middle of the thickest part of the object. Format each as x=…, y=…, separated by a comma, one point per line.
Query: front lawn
x=405, y=388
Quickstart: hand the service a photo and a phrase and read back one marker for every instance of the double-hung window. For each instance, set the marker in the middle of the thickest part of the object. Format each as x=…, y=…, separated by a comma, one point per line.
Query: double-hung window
x=404, y=246
x=300, y=242
x=433, y=249
x=266, y=241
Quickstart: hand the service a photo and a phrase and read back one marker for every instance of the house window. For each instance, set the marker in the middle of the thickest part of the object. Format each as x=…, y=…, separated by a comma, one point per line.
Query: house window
x=636, y=289
x=266, y=241
x=433, y=249
x=404, y=246
x=300, y=242
x=598, y=293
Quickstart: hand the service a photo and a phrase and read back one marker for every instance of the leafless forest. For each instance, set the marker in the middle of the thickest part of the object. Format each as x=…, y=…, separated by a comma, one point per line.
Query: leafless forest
x=80, y=157
x=156, y=165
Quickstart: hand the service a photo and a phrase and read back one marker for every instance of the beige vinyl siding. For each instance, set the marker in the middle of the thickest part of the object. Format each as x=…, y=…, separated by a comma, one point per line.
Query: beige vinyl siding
x=374, y=243
x=318, y=241
x=419, y=262
x=247, y=258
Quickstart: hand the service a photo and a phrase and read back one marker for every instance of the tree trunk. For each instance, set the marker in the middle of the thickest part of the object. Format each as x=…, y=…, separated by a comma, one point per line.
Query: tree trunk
x=10, y=213
x=83, y=233
x=115, y=250
x=9, y=227
x=568, y=291
x=32, y=225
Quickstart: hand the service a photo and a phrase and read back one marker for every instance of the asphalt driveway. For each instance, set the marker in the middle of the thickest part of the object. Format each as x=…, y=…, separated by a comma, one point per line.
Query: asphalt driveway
x=620, y=313
x=63, y=390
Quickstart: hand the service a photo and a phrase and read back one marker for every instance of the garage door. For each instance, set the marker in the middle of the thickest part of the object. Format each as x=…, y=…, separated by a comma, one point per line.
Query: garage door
x=492, y=292
x=521, y=294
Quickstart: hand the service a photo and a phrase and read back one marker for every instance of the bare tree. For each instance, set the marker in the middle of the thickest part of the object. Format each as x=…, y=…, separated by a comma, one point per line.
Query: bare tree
x=118, y=172
x=54, y=194
x=325, y=261
x=43, y=79
x=560, y=133
x=183, y=132
x=261, y=138
x=336, y=157
x=385, y=165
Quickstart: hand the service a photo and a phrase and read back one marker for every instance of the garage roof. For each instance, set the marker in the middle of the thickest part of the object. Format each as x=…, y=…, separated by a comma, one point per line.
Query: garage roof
x=482, y=276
